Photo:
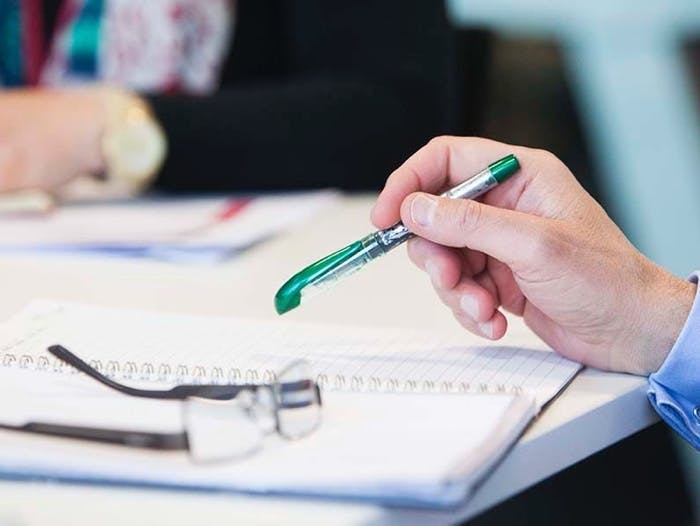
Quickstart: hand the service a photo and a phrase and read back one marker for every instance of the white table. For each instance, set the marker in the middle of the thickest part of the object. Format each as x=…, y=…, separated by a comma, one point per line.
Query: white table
x=596, y=411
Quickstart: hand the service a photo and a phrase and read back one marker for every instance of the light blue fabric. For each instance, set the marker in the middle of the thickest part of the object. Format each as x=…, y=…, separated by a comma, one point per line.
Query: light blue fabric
x=674, y=390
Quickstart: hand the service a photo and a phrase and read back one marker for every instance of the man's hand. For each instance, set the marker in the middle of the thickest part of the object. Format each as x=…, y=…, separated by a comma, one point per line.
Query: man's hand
x=49, y=137
x=538, y=246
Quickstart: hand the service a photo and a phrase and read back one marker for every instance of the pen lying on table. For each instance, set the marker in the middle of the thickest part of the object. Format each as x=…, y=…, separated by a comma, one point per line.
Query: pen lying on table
x=326, y=272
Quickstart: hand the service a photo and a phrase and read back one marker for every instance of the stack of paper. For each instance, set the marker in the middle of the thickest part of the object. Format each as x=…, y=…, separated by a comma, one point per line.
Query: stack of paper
x=408, y=417
x=408, y=449
x=189, y=230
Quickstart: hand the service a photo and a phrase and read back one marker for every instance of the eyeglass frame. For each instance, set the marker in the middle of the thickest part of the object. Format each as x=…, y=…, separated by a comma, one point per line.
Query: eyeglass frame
x=183, y=392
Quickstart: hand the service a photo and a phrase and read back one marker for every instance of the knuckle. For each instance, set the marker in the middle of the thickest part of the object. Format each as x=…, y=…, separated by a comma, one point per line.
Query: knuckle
x=439, y=140
x=393, y=177
x=547, y=158
x=548, y=166
x=465, y=215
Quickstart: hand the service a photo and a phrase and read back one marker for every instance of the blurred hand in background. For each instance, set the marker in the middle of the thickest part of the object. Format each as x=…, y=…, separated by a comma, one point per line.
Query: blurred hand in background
x=48, y=137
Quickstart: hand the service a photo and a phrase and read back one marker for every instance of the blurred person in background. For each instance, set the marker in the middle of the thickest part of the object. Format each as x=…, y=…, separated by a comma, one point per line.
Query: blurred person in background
x=219, y=95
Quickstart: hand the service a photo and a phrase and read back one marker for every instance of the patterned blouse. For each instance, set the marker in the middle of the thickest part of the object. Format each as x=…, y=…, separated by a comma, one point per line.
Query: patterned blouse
x=152, y=46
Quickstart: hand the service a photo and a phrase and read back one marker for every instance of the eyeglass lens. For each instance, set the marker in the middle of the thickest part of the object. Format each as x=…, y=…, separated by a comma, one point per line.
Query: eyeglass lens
x=229, y=429
x=298, y=401
x=218, y=430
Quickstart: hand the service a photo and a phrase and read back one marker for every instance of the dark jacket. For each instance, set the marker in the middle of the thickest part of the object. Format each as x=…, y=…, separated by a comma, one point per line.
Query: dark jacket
x=319, y=93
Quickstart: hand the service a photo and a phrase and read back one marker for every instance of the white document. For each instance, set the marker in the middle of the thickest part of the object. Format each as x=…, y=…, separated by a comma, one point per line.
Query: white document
x=408, y=449
x=200, y=229
x=408, y=418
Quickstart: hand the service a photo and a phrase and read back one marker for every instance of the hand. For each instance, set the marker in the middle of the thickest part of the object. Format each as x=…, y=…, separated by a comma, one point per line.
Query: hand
x=540, y=247
x=49, y=137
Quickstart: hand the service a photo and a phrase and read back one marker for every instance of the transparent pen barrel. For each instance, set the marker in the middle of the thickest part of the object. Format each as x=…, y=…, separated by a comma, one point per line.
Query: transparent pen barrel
x=371, y=249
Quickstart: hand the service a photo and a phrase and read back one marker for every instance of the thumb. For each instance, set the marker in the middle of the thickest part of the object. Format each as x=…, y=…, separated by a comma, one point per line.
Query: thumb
x=515, y=238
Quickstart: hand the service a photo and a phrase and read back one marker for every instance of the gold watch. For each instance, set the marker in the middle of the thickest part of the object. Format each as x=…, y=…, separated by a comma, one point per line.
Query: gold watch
x=133, y=142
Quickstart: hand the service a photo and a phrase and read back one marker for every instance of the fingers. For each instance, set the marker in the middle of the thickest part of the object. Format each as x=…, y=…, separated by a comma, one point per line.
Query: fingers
x=493, y=329
x=509, y=293
x=470, y=299
x=512, y=237
x=473, y=300
x=442, y=264
x=443, y=162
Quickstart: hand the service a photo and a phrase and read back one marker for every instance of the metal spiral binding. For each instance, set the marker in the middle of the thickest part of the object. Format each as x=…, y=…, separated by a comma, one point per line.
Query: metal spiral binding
x=26, y=361
x=146, y=371
x=217, y=375
x=339, y=382
x=182, y=374
x=8, y=360
x=356, y=383
x=198, y=374
x=322, y=380
x=113, y=369
x=164, y=372
x=269, y=376
x=130, y=370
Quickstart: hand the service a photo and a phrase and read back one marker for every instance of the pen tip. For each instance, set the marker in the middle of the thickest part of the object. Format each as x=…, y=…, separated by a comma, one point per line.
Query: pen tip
x=288, y=297
x=286, y=300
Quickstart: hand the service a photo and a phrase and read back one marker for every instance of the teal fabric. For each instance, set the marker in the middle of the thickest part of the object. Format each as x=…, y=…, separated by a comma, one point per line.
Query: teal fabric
x=85, y=40
x=12, y=71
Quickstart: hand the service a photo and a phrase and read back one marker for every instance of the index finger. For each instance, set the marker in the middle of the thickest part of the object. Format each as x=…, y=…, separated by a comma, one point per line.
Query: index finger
x=442, y=163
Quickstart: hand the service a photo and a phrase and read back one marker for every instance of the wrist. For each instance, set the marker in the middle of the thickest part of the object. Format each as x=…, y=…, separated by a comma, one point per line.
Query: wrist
x=133, y=142
x=669, y=300
x=126, y=144
x=89, y=116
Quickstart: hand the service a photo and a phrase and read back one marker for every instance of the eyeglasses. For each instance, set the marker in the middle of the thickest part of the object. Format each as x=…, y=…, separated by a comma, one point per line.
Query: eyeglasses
x=221, y=422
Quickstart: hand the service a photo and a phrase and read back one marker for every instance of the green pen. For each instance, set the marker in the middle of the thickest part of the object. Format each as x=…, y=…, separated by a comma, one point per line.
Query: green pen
x=327, y=271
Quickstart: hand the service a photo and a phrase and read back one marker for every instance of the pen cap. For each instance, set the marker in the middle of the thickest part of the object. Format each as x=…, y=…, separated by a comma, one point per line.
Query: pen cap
x=504, y=168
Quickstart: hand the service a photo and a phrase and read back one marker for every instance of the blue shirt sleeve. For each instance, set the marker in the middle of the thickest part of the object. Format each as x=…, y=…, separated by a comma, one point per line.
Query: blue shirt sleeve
x=674, y=390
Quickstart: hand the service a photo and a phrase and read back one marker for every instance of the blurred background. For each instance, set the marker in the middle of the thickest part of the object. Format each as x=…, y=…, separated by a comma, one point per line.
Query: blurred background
x=260, y=95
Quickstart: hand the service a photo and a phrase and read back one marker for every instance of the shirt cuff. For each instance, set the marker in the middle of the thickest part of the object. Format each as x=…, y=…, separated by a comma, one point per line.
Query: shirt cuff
x=674, y=390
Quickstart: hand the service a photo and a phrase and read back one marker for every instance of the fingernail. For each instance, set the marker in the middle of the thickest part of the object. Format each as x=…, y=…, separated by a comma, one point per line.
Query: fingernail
x=423, y=209
x=432, y=270
x=486, y=329
x=470, y=305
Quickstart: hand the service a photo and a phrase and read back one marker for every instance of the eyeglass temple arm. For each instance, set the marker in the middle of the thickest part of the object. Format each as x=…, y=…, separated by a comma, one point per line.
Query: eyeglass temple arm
x=141, y=439
x=180, y=392
x=65, y=355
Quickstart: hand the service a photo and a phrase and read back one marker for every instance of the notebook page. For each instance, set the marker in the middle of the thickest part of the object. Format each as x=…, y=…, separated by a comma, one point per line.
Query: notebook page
x=174, y=348
x=394, y=448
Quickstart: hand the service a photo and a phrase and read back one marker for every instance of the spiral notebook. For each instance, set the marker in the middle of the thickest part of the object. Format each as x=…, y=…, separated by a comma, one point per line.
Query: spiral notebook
x=409, y=417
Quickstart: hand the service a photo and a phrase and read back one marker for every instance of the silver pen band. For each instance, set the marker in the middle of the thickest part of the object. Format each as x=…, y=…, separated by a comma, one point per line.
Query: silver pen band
x=390, y=238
